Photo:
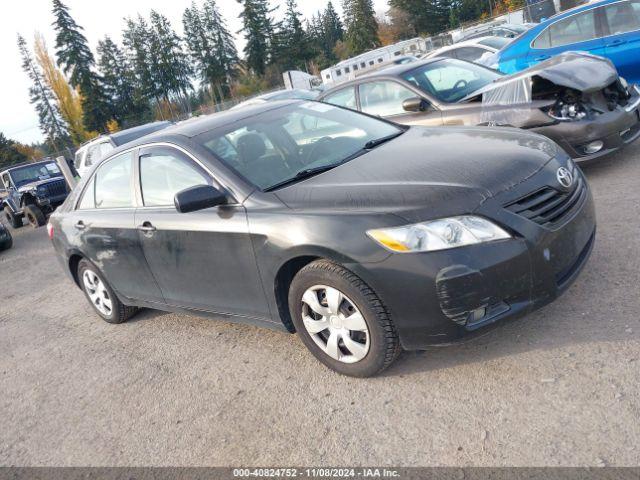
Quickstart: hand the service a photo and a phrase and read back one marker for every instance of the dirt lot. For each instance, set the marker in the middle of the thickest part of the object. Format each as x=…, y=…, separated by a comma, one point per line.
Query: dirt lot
x=560, y=387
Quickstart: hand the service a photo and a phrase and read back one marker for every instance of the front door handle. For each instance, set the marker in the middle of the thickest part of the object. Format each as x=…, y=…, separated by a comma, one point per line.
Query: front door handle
x=147, y=227
x=80, y=225
x=541, y=58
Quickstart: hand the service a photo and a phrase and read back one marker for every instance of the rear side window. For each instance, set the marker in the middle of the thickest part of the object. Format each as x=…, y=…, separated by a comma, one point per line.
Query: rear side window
x=575, y=29
x=113, y=183
x=623, y=17
x=343, y=98
x=165, y=173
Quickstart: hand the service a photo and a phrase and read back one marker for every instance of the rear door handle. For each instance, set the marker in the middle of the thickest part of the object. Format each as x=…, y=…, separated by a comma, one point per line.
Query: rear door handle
x=147, y=227
x=541, y=58
x=615, y=43
x=80, y=225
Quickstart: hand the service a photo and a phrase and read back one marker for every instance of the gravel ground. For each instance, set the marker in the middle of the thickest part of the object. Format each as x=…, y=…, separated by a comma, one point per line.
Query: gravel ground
x=559, y=387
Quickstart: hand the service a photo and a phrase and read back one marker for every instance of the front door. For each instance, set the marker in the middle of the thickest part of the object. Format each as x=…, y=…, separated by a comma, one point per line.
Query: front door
x=384, y=98
x=201, y=260
x=623, y=39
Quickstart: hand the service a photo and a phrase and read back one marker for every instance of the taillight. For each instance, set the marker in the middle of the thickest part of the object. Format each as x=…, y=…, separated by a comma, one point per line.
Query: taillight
x=50, y=230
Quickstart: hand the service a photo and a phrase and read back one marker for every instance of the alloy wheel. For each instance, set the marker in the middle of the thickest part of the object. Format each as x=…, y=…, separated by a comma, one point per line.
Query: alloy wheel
x=97, y=292
x=335, y=324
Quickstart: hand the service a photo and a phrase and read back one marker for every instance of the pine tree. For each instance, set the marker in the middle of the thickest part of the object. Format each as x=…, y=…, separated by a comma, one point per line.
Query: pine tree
x=427, y=17
x=76, y=60
x=259, y=32
x=362, y=28
x=296, y=48
x=332, y=26
x=170, y=68
x=119, y=83
x=49, y=118
x=210, y=46
x=136, y=38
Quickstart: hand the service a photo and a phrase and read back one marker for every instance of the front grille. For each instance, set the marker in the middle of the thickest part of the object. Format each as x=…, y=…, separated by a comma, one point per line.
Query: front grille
x=550, y=207
x=56, y=188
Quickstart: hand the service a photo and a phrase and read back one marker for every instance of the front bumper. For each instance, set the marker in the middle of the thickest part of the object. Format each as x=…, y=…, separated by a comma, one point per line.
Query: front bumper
x=440, y=297
x=614, y=129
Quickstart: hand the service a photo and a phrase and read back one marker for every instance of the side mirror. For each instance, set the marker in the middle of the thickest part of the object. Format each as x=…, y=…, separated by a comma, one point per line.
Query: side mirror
x=199, y=197
x=415, y=104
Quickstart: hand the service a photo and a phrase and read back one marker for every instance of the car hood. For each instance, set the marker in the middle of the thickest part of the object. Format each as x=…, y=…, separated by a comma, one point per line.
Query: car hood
x=33, y=185
x=448, y=170
x=577, y=70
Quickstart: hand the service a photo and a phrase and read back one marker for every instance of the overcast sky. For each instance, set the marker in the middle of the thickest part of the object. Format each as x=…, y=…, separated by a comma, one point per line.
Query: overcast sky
x=18, y=119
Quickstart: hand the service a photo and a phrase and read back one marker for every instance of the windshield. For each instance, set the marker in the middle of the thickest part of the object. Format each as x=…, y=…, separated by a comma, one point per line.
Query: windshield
x=450, y=80
x=33, y=173
x=282, y=144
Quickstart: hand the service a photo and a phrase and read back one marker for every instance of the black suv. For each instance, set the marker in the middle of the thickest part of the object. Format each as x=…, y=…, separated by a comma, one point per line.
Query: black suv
x=32, y=190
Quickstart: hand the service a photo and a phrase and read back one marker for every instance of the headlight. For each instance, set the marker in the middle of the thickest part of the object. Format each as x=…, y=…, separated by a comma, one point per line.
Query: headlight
x=41, y=191
x=438, y=234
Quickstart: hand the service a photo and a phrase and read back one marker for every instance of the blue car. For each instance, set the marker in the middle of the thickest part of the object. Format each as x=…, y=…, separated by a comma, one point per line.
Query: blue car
x=609, y=28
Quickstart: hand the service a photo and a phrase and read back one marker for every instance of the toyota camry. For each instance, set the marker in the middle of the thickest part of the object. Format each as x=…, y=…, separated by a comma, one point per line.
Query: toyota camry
x=363, y=237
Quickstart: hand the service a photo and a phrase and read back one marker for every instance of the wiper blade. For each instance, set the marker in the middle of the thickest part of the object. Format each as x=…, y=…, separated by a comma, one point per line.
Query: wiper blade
x=301, y=175
x=371, y=144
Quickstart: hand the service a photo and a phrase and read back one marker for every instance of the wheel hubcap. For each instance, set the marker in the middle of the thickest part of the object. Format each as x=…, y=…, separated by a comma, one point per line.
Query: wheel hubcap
x=335, y=324
x=97, y=292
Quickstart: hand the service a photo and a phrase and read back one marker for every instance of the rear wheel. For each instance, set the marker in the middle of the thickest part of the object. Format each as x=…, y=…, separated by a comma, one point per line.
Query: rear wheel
x=101, y=296
x=34, y=216
x=14, y=220
x=341, y=320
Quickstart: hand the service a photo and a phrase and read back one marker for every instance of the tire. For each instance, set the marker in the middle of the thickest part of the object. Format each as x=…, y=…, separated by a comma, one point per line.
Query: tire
x=8, y=243
x=14, y=220
x=34, y=216
x=118, y=312
x=321, y=277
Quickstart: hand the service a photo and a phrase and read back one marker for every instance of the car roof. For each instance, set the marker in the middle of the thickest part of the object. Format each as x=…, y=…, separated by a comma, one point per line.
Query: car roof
x=125, y=136
x=465, y=43
x=206, y=123
x=26, y=164
x=585, y=6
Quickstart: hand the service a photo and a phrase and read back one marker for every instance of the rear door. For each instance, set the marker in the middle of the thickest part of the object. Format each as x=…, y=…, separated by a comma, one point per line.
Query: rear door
x=622, y=40
x=579, y=32
x=201, y=260
x=103, y=228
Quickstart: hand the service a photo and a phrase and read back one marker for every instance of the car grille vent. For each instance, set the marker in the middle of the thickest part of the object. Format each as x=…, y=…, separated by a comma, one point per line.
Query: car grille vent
x=549, y=207
x=56, y=188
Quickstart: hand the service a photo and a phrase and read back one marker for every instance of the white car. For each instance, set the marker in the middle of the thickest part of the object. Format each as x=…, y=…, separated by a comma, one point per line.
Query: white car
x=284, y=94
x=477, y=50
x=95, y=150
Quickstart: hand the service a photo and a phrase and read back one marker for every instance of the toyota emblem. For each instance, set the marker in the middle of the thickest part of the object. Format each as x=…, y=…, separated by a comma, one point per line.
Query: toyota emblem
x=564, y=177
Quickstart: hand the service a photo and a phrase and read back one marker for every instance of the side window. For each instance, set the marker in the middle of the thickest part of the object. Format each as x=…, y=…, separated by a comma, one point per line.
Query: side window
x=383, y=98
x=113, y=183
x=575, y=29
x=165, y=172
x=343, y=98
x=543, y=41
x=105, y=148
x=5, y=181
x=470, y=54
x=623, y=17
x=88, y=196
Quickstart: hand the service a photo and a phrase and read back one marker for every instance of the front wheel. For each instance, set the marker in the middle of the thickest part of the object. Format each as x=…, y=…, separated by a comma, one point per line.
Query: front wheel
x=101, y=296
x=341, y=320
x=35, y=216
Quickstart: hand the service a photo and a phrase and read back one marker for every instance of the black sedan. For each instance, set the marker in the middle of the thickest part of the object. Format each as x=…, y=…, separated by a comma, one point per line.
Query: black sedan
x=361, y=236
